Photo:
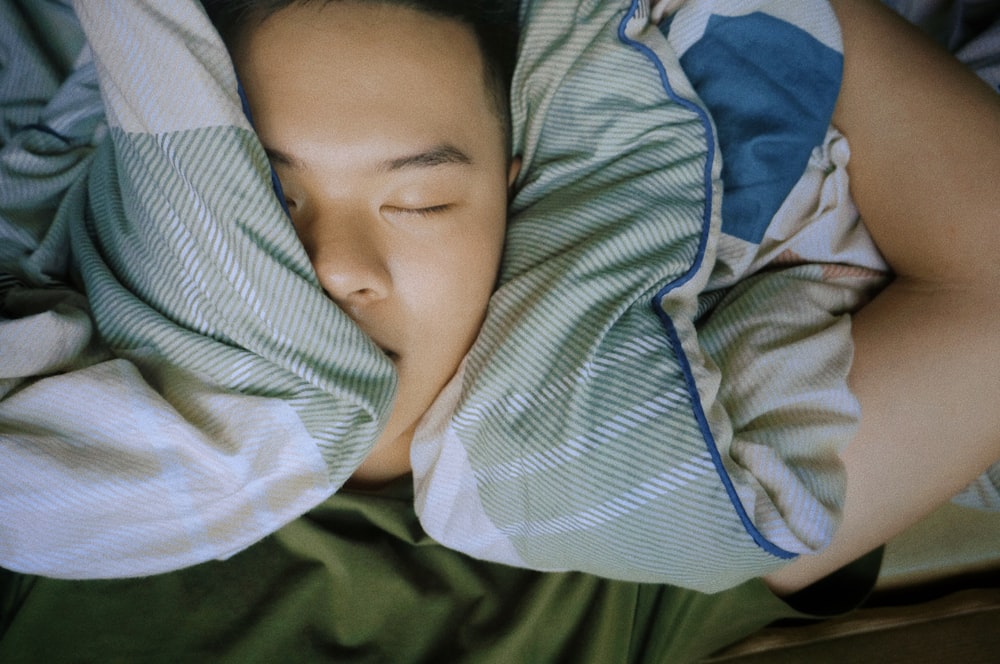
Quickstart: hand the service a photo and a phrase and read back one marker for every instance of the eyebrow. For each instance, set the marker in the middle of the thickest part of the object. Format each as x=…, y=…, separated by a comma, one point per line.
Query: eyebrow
x=439, y=155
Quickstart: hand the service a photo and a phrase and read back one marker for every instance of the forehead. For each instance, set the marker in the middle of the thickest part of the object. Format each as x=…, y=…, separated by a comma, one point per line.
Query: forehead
x=348, y=65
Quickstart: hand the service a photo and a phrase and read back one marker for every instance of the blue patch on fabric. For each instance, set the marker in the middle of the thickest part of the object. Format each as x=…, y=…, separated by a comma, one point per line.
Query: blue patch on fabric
x=771, y=88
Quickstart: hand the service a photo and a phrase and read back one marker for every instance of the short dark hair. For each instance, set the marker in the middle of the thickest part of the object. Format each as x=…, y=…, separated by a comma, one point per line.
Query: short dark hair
x=494, y=23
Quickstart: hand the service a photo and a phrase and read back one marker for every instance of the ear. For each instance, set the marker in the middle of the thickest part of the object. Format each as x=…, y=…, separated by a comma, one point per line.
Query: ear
x=515, y=169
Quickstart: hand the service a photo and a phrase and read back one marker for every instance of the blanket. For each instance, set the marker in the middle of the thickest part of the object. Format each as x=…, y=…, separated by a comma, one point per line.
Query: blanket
x=204, y=418
x=176, y=385
x=633, y=407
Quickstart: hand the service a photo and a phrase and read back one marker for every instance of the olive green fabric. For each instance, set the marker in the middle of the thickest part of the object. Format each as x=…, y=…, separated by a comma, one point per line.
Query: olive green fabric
x=357, y=580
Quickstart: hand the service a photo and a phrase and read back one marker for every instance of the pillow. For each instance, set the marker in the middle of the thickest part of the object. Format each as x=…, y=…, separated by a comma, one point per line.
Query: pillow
x=603, y=422
x=237, y=396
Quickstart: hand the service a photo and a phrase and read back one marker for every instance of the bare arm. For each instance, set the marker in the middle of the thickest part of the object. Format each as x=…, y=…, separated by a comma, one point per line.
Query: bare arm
x=925, y=173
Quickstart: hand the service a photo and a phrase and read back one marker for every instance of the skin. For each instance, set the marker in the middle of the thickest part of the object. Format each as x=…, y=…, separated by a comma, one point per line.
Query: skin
x=925, y=145
x=394, y=165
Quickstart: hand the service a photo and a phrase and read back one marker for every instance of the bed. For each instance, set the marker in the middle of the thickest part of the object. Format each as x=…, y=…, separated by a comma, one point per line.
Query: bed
x=342, y=574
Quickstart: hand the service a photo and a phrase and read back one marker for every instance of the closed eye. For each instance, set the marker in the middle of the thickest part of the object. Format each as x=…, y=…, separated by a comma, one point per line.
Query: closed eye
x=425, y=211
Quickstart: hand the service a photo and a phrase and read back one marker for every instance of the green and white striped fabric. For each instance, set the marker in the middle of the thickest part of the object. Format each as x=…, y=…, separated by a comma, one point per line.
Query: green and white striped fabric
x=601, y=422
x=231, y=395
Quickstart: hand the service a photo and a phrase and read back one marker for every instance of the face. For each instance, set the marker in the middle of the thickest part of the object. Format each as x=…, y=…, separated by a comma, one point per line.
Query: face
x=378, y=122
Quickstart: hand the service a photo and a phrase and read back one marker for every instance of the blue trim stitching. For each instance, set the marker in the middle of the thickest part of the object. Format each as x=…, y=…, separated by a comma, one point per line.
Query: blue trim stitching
x=665, y=320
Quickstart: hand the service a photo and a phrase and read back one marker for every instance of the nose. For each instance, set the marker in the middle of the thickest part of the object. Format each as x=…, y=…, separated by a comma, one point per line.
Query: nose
x=349, y=258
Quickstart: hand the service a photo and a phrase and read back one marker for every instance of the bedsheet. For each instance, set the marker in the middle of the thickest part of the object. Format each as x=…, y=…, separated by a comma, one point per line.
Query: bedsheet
x=204, y=392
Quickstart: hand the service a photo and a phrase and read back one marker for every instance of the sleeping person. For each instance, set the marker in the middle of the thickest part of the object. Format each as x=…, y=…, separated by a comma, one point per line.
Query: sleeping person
x=387, y=126
x=395, y=170
x=608, y=383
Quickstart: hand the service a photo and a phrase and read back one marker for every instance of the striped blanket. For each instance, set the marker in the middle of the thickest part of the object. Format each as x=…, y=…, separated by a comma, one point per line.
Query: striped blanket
x=664, y=408
x=658, y=393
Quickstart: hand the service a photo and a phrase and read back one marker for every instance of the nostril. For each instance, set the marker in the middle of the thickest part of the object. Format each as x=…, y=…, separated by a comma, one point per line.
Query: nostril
x=352, y=282
x=349, y=258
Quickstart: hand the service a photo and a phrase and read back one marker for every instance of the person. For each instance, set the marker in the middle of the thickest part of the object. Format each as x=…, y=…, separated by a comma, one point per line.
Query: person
x=448, y=605
x=395, y=170
x=392, y=155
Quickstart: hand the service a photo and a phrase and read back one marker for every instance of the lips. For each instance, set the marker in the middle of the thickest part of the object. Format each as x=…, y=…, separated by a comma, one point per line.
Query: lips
x=388, y=352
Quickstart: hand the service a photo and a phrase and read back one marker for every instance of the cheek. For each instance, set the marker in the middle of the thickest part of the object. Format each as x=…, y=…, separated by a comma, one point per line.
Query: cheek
x=453, y=267
x=464, y=274
x=457, y=277
x=483, y=252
